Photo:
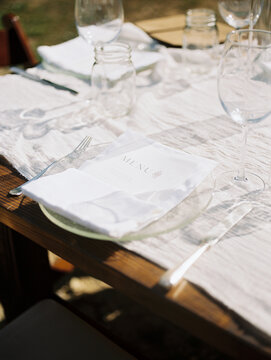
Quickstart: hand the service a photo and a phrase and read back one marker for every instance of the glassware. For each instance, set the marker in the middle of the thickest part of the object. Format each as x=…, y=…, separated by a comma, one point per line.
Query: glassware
x=200, y=33
x=244, y=88
x=240, y=13
x=98, y=20
x=113, y=79
x=264, y=22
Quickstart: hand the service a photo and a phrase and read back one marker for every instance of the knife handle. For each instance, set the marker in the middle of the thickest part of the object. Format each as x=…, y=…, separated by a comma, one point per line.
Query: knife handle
x=58, y=86
x=174, y=275
x=26, y=74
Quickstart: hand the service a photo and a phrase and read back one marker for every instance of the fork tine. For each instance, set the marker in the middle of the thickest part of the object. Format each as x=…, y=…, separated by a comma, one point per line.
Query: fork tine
x=83, y=144
x=88, y=140
x=86, y=143
x=78, y=146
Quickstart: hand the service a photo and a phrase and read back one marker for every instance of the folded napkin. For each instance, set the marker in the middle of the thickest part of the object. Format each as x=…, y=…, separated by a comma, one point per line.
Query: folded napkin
x=133, y=182
x=76, y=55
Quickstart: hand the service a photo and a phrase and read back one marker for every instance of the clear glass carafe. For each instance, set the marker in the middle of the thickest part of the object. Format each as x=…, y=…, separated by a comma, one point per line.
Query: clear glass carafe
x=113, y=79
x=200, y=39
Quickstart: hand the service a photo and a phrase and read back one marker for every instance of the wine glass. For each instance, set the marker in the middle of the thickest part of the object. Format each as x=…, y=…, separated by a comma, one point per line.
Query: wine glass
x=244, y=89
x=98, y=20
x=240, y=13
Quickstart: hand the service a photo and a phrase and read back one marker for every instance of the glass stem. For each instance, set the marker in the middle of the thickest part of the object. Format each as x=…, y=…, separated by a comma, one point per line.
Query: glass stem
x=251, y=15
x=241, y=174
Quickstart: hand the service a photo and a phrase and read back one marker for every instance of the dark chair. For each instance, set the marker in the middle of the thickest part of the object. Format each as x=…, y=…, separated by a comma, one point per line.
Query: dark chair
x=14, y=45
x=49, y=331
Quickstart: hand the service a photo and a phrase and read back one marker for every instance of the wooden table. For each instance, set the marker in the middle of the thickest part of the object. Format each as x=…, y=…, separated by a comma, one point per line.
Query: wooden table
x=26, y=235
x=169, y=29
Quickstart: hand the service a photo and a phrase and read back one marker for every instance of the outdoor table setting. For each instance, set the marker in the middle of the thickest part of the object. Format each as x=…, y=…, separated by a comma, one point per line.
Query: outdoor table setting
x=152, y=135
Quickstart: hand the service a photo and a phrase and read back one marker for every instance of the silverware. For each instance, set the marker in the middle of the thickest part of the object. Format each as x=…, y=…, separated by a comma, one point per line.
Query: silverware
x=27, y=75
x=77, y=151
x=173, y=276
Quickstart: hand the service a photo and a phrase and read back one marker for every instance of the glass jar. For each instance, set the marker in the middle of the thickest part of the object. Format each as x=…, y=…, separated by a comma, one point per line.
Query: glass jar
x=200, y=38
x=113, y=79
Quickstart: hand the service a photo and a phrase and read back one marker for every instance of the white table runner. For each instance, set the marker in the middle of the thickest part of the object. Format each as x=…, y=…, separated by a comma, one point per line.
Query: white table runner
x=178, y=112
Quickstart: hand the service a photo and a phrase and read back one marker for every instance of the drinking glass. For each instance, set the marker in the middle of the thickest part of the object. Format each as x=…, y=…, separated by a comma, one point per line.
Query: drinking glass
x=98, y=20
x=200, y=38
x=244, y=89
x=264, y=22
x=113, y=79
x=240, y=13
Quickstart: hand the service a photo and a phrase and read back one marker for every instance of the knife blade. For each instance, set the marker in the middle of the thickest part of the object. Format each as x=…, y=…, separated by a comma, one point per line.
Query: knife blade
x=172, y=276
x=27, y=75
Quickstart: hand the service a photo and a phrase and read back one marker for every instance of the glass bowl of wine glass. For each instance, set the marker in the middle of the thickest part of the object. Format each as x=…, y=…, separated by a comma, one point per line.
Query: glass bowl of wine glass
x=98, y=21
x=244, y=89
x=240, y=13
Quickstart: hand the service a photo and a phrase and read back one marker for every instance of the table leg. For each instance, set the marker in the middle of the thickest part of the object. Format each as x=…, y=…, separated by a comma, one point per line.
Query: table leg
x=25, y=275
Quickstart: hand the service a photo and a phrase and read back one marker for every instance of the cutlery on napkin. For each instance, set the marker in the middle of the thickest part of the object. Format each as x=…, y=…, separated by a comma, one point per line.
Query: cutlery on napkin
x=172, y=276
x=27, y=75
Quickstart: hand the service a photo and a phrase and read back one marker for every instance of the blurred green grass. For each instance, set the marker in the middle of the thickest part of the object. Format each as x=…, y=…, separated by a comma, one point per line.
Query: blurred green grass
x=48, y=22
x=45, y=22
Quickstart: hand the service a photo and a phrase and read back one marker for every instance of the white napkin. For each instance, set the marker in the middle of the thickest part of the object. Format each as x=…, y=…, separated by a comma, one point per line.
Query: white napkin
x=76, y=56
x=131, y=183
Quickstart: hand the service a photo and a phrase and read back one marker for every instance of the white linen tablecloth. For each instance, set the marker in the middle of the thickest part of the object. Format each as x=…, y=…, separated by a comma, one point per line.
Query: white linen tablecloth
x=179, y=112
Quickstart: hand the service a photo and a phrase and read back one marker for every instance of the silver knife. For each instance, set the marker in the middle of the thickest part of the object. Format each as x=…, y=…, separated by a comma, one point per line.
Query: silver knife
x=24, y=73
x=174, y=275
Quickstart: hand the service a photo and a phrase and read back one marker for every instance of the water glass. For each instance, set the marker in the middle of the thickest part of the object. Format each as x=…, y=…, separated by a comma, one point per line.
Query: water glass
x=200, y=38
x=113, y=79
x=240, y=13
x=98, y=20
x=244, y=89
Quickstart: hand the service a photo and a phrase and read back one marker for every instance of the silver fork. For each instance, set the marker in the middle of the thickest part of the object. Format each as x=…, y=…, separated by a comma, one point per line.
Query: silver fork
x=76, y=152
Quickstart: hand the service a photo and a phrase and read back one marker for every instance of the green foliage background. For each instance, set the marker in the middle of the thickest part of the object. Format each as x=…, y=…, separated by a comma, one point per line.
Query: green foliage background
x=49, y=22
